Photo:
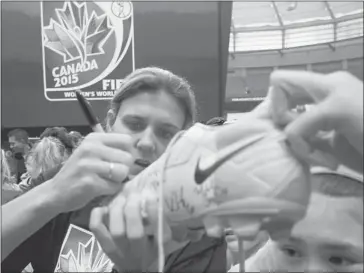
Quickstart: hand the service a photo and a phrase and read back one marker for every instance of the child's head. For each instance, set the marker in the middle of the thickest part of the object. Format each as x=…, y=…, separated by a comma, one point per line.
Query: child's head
x=330, y=237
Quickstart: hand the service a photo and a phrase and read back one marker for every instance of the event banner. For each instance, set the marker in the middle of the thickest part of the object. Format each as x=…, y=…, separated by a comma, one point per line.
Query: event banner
x=87, y=46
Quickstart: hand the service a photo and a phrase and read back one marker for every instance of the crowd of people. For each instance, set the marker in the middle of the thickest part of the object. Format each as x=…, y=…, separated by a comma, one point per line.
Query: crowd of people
x=67, y=176
x=26, y=166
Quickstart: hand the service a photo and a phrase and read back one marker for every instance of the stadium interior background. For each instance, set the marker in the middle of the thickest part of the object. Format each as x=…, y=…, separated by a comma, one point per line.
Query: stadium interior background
x=321, y=36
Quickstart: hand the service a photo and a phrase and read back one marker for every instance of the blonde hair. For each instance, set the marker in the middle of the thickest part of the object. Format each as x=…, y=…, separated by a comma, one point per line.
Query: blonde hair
x=9, y=188
x=46, y=154
x=5, y=169
x=153, y=79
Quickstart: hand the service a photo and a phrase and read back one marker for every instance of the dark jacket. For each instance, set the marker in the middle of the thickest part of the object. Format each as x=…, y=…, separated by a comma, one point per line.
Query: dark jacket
x=42, y=249
x=206, y=255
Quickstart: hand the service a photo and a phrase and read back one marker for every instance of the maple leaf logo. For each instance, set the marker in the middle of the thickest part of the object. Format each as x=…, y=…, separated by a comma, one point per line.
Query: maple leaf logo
x=90, y=258
x=76, y=35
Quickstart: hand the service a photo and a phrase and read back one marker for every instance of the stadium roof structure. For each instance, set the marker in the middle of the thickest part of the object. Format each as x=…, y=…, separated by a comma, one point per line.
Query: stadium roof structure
x=271, y=25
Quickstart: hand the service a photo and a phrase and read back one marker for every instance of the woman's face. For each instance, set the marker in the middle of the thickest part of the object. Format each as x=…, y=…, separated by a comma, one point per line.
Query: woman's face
x=152, y=119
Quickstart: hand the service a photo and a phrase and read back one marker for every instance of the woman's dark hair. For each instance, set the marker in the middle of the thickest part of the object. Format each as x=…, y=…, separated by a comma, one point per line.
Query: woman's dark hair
x=153, y=79
x=76, y=138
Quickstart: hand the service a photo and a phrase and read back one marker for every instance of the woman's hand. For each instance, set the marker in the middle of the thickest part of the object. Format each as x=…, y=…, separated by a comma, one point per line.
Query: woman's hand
x=126, y=237
x=96, y=168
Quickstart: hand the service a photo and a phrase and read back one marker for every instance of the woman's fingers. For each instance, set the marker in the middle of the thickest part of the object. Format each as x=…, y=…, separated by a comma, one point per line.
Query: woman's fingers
x=318, y=118
x=123, y=234
x=98, y=218
x=290, y=89
x=119, y=141
x=94, y=148
x=133, y=218
x=117, y=225
x=339, y=147
x=263, y=110
x=110, y=171
x=114, y=155
x=301, y=87
x=281, y=108
x=151, y=210
x=120, y=230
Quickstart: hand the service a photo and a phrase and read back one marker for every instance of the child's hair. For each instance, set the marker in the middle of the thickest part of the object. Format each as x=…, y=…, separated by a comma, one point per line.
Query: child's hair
x=216, y=121
x=337, y=184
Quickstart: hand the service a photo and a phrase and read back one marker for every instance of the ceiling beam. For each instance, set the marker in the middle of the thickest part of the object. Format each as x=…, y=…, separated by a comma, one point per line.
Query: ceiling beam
x=331, y=46
x=356, y=40
x=299, y=25
x=279, y=17
x=232, y=25
x=329, y=9
x=233, y=31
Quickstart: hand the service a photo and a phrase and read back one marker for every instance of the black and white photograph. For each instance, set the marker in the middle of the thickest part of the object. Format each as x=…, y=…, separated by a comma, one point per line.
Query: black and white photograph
x=181, y=136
